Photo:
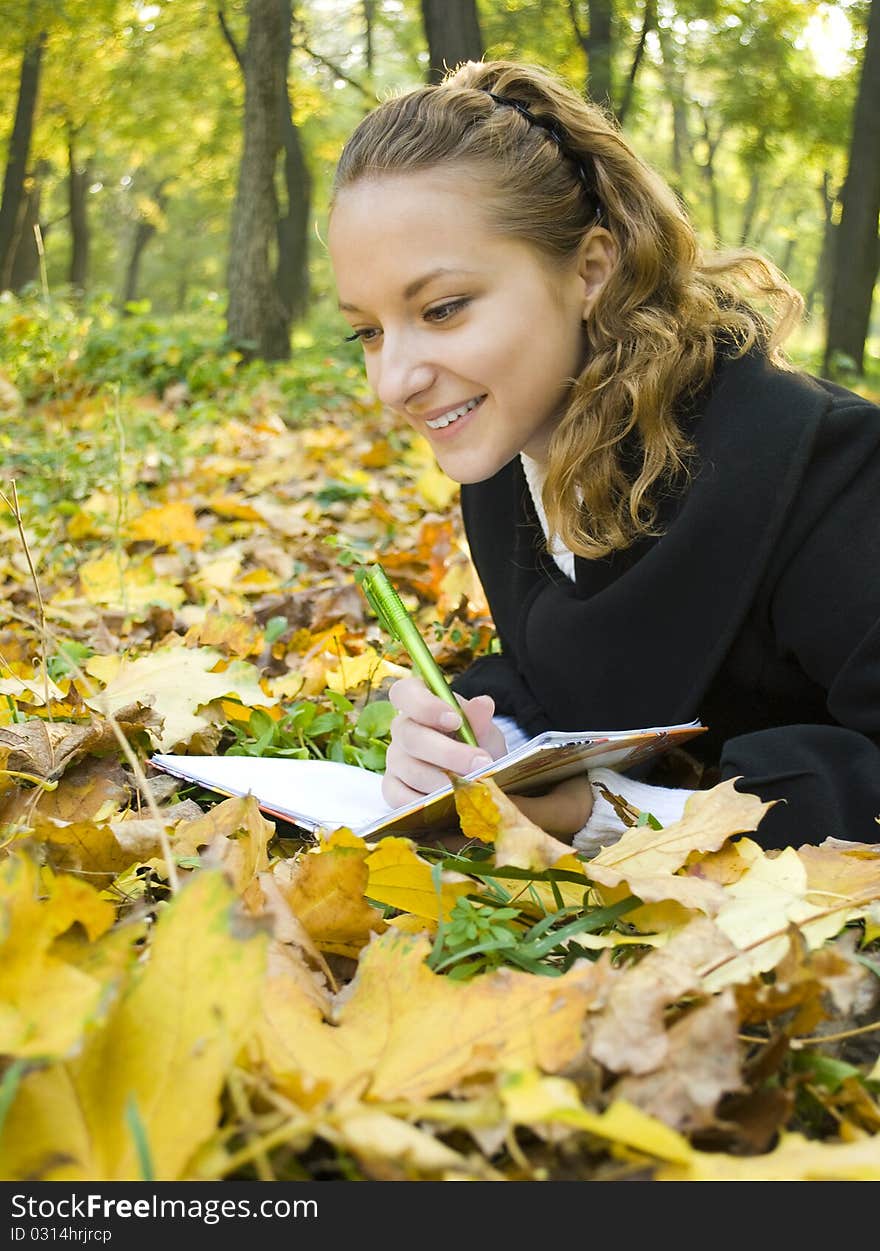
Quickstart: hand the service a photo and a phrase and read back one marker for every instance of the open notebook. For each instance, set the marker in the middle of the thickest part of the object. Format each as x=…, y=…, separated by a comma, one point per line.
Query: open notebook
x=321, y=794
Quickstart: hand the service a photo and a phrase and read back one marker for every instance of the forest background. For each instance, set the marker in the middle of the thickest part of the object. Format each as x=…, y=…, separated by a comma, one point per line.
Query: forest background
x=190, y=464
x=176, y=156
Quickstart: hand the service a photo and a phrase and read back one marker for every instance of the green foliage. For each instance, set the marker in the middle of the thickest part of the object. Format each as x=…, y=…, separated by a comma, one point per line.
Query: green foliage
x=485, y=931
x=328, y=729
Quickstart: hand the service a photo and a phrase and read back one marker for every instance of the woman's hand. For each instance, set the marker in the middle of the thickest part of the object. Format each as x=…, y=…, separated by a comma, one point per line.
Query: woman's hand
x=424, y=747
x=424, y=750
x=563, y=810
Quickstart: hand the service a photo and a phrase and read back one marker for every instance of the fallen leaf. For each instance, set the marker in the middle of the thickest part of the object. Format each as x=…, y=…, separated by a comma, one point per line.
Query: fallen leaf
x=399, y=877
x=795, y=1159
x=325, y=889
x=180, y=681
x=167, y=525
x=648, y=860
x=165, y=1049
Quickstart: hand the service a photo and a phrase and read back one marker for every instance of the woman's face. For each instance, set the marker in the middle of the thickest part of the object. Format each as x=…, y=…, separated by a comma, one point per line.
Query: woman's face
x=473, y=337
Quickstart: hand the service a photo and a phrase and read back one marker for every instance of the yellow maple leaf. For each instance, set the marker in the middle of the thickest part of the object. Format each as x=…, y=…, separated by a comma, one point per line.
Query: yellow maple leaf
x=325, y=890
x=219, y=574
x=164, y=1050
x=760, y=906
x=234, y=833
x=490, y=815
x=45, y=1002
x=648, y=860
x=179, y=681
x=166, y=525
x=370, y=668
x=400, y=878
x=401, y=1031
x=116, y=582
x=235, y=507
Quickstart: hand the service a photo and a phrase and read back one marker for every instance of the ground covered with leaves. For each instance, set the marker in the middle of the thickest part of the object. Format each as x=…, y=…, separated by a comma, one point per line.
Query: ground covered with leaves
x=190, y=991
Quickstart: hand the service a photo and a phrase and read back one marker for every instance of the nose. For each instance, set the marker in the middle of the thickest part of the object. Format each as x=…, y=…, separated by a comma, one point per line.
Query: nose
x=399, y=372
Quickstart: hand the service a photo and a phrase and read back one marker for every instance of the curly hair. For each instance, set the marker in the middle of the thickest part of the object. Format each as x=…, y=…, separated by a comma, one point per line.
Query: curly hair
x=551, y=169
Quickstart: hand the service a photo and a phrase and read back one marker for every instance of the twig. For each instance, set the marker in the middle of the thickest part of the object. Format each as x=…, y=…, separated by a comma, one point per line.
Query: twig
x=246, y=1117
x=15, y=509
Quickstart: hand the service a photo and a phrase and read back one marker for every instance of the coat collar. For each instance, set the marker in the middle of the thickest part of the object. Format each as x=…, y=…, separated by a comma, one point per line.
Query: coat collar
x=639, y=637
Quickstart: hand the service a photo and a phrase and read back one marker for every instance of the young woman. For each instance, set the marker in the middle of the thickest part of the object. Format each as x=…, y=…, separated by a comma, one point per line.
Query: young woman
x=668, y=521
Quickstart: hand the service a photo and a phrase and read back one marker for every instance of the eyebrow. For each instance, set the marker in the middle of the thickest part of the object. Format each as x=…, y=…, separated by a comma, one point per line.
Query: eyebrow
x=414, y=287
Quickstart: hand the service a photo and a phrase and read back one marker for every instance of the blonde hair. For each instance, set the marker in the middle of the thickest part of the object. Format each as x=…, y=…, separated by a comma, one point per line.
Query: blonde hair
x=652, y=337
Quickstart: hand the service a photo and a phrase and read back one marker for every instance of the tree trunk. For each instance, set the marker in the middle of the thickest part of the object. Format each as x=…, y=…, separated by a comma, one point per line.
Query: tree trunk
x=649, y=22
x=25, y=261
x=452, y=29
x=19, y=151
x=257, y=321
x=856, y=256
x=599, y=52
x=292, y=277
x=707, y=169
x=821, y=284
x=77, y=190
x=369, y=28
x=597, y=45
x=751, y=206
x=673, y=80
x=144, y=231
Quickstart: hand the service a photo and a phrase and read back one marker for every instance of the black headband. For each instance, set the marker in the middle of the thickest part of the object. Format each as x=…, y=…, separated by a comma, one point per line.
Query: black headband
x=553, y=130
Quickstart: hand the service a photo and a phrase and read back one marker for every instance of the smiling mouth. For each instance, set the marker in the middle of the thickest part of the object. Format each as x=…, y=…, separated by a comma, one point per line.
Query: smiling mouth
x=454, y=414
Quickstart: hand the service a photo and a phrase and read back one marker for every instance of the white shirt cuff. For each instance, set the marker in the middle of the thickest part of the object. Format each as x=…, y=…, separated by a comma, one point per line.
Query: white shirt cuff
x=605, y=826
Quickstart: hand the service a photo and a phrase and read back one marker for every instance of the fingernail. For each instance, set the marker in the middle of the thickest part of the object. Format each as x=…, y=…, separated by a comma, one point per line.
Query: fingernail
x=480, y=761
x=450, y=720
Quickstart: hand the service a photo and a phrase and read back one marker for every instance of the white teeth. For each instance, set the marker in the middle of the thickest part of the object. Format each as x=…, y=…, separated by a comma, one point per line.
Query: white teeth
x=453, y=415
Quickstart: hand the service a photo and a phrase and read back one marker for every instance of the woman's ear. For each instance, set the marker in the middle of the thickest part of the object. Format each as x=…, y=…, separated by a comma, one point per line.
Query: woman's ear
x=598, y=261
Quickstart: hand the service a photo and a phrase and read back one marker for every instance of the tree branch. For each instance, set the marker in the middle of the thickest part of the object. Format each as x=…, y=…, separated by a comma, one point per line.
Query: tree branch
x=335, y=69
x=229, y=37
x=648, y=23
x=578, y=30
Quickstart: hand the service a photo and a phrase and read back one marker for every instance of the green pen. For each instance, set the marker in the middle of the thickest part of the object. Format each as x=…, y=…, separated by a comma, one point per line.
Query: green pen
x=396, y=621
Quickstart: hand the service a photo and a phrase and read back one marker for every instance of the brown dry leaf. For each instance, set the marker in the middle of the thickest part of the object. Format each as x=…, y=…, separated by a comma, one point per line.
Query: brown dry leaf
x=325, y=890
x=835, y=872
x=700, y=1066
x=628, y=1033
x=166, y=1049
x=234, y=834
x=44, y=747
x=178, y=681
x=97, y=849
x=799, y=987
x=95, y=789
x=648, y=860
x=403, y=1032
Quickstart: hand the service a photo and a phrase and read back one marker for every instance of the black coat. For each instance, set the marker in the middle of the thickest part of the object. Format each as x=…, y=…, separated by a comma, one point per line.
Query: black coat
x=757, y=610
